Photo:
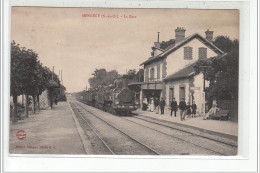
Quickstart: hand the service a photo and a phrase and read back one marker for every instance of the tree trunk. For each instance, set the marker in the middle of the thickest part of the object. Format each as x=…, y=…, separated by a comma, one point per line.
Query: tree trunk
x=38, y=102
x=14, y=118
x=26, y=105
x=22, y=99
x=34, y=106
x=51, y=97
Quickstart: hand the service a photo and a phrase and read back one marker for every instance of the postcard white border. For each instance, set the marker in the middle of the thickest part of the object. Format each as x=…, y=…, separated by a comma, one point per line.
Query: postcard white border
x=248, y=131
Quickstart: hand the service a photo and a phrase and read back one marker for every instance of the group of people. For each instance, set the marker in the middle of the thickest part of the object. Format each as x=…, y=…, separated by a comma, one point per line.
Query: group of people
x=155, y=104
x=185, y=109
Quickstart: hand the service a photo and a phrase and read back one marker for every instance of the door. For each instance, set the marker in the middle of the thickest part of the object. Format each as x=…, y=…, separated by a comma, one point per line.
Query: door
x=171, y=95
x=182, y=93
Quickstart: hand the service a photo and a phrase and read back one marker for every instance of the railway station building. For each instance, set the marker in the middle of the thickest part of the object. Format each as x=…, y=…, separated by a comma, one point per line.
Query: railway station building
x=169, y=72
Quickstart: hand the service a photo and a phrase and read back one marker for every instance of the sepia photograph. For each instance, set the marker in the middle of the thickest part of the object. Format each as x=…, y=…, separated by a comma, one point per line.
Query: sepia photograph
x=118, y=81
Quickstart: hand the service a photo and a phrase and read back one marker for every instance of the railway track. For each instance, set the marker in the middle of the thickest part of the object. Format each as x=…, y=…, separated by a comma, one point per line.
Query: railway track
x=216, y=152
x=136, y=145
x=230, y=143
x=193, y=137
x=101, y=147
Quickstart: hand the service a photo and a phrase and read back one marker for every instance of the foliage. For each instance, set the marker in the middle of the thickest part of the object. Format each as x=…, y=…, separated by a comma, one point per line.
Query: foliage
x=225, y=44
x=222, y=71
x=17, y=69
x=135, y=76
x=131, y=73
x=165, y=44
x=27, y=73
x=102, y=77
x=28, y=76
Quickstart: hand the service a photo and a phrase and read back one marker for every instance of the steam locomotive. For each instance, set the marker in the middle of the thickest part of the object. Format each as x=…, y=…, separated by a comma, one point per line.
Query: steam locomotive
x=115, y=99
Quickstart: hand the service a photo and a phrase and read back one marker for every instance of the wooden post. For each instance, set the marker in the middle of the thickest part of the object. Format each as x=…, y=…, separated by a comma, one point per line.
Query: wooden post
x=34, y=105
x=38, y=102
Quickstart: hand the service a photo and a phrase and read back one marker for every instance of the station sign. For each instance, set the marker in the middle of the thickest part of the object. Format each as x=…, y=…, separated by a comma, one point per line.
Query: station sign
x=194, y=88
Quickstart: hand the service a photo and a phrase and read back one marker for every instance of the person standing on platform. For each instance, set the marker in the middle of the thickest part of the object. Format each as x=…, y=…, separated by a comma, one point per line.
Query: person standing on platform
x=188, y=110
x=182, y=107
x=194, y=109
x=156, y=105
x=162, y=105
x=173, y=106
x=152, y=105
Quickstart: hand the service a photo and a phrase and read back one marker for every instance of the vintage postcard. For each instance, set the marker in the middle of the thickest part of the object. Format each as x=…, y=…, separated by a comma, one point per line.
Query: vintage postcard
x=114, y=81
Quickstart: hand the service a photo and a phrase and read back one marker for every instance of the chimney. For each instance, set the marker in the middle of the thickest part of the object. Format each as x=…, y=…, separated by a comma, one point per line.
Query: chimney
x=125, y=81
x=179, y=34
x=157, y=44
x=209, y=35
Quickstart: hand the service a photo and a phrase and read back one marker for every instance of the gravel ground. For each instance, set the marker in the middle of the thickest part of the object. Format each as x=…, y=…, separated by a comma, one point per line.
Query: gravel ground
x=223, y=127
x=159, y=142
x=48, y=132
x=199, y=141
x=97, y=146
x=118, y=142
x=231, y=140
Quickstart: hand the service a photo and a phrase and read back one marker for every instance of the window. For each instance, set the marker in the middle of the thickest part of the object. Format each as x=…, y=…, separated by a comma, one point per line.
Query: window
x=158, y=71
x=182, y=92
x=171, y=95
x=188, y=53
x=202, y=53
x=146, y=74
x=152, y=74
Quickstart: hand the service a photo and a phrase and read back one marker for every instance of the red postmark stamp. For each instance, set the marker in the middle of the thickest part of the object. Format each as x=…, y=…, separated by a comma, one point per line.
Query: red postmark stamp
x=20, y=134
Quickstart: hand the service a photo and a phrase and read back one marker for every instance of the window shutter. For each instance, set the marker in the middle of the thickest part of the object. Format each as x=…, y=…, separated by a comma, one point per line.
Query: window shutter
x=146, y=74
x=158, y=71
x=187, y=53
x=202, y=53
x=152, y=74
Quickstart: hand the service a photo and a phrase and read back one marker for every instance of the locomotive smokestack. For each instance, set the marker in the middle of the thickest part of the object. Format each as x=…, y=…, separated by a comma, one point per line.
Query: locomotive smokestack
x=125, y=81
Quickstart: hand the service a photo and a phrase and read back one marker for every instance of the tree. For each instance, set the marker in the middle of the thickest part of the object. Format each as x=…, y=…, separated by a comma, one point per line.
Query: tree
x=225, y=44
x=42, y=74
x=17, y=86
x=222, y=73
x=30, y=60
x=135, y=76
x=28, y=76
x=53, y=85
x=131, y=73
x=165, y=44
x=102, y=77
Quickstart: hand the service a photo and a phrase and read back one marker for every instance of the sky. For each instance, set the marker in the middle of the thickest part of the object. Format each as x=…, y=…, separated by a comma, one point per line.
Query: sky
x=72, y=40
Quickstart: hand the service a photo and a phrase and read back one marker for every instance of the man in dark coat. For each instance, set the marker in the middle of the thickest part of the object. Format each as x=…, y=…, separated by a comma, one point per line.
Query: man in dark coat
x=194, y=108
x=173, y=106
x=162, y=105
x=182, y=107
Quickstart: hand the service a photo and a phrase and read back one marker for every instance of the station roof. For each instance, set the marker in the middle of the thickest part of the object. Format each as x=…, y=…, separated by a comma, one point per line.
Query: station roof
x=186, y=72
x=173, y=48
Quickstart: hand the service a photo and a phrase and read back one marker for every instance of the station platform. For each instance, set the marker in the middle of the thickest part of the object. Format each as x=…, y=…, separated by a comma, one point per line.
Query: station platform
x=50, y=131
x=215, y=126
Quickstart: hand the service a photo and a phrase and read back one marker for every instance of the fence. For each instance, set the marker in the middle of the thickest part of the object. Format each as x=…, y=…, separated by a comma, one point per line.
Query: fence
x=231, y=105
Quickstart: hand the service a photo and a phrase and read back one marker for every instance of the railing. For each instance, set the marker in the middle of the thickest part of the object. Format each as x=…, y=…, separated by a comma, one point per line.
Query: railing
x=135, y=80
x=152, y=80
x=231, y=105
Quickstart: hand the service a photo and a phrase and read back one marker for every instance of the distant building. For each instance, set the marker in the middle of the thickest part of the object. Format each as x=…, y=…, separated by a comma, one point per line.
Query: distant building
x=169, y=72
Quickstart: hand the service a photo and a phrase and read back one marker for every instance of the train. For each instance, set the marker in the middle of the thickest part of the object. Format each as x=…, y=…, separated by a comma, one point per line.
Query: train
x=115, y=98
